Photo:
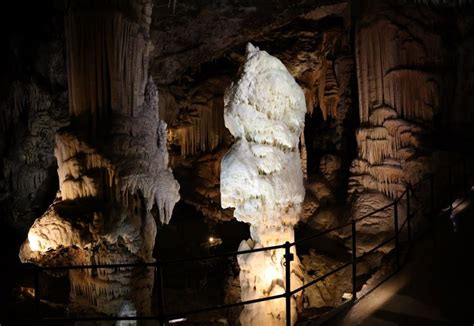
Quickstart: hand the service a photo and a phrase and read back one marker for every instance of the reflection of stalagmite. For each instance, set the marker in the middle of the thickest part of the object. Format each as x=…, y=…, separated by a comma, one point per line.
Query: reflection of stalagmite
x=261, y=177
x=112, y=162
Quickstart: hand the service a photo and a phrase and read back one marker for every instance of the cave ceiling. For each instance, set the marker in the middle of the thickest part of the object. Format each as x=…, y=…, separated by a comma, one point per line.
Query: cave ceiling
x=200, y=31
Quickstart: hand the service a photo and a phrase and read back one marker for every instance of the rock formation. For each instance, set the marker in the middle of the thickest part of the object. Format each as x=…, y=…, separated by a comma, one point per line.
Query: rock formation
x=316, y=52
x=261, y=177
x=398, y=96
x=112, y=162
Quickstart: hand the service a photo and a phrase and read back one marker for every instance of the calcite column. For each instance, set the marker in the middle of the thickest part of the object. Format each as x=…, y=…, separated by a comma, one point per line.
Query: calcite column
x=261, y=177
x=112, y=161
x=398, y=94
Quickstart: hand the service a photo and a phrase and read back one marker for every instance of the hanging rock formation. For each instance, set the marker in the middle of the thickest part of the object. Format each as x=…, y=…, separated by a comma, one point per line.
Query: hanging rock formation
x=261, y=178
x=398, y=95
x=112, y=162
x=199, y=125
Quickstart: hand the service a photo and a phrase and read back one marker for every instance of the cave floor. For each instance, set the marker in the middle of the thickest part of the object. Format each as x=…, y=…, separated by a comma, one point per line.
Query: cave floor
x=434, y=287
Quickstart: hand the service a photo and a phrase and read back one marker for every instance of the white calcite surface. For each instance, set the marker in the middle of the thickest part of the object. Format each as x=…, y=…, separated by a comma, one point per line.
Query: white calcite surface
x=262, y=173
x=262, y=178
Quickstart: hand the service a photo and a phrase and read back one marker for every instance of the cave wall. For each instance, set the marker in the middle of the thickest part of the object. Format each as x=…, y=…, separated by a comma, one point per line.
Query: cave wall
x=33, y=105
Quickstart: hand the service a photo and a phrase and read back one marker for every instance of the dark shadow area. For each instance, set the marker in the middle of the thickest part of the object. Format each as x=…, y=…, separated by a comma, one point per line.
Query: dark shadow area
x=434, y=287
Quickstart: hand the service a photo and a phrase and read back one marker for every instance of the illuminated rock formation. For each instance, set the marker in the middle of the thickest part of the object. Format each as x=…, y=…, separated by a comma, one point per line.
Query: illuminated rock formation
x=398, y=95
x=321, y=62
x=261, y=177
x=112, y=162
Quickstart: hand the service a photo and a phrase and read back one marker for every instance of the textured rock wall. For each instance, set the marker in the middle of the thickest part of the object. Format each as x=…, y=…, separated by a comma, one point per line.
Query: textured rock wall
x=33, y=105
x=399, y=93
x=31, y=117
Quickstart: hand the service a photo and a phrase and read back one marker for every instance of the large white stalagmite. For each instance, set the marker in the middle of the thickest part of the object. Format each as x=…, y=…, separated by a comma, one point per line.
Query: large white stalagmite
x=261, y=177
x=112, y=162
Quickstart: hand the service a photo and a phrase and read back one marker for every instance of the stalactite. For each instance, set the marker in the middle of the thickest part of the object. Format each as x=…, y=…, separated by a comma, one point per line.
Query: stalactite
x=383, y=80
x=415, y=91
x=329, y=91
x=204, y=132
x=394, y=92
x=321, y=88
x=108, y=71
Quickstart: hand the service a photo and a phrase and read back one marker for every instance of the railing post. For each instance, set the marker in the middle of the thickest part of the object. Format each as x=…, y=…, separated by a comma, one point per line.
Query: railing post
x=161, y=304
x=354, y=261
x=408, y=214
x=288, y=258
x=397, y=240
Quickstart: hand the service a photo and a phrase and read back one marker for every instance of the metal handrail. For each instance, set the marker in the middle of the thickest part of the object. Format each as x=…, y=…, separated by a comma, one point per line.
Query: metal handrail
x=163, y=317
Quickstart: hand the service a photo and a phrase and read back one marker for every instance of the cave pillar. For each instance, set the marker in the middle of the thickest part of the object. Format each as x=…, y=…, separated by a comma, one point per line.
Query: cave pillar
x=112, y=162
x=261, y=177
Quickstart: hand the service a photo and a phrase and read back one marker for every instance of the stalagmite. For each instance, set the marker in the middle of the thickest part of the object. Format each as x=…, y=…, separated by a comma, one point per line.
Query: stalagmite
x=112, y=162
x=261, y=177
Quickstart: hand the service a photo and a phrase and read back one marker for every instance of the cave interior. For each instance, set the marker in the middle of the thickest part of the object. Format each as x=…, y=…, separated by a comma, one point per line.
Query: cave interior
x=136, y=131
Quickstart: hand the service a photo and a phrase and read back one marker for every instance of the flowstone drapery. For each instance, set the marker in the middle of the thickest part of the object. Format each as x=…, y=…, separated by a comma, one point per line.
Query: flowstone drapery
x=398, y=96
x=261, y=177
x=112, y=162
